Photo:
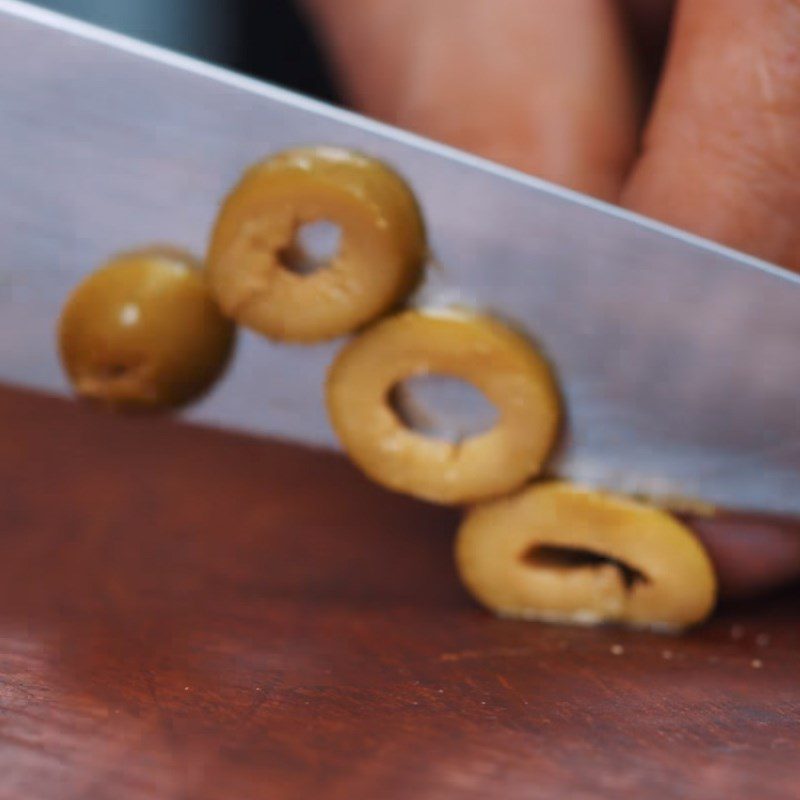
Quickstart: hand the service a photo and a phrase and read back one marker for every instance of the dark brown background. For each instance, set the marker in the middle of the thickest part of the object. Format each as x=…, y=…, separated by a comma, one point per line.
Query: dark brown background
x=189, y=614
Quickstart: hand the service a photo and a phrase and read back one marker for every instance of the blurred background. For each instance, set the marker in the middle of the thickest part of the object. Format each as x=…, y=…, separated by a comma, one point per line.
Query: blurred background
x=265, y=38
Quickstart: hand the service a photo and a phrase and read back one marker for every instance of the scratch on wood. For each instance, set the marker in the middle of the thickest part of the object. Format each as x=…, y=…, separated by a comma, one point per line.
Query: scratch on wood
x=493, y=652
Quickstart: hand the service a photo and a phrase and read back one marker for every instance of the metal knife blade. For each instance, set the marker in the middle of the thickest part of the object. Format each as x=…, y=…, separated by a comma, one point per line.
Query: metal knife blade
x=677, y=357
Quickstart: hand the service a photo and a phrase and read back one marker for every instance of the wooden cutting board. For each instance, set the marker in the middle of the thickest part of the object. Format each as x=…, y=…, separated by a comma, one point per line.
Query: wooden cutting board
x=191, y=614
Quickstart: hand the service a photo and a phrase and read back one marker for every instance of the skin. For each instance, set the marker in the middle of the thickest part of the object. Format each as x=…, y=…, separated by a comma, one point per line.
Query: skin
x=581, y=92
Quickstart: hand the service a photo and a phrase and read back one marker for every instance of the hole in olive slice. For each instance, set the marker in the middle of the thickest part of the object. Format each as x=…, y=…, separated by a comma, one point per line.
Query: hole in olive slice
x=558, y=557
x=313, y=247
x=442, y=407
x=112, y=371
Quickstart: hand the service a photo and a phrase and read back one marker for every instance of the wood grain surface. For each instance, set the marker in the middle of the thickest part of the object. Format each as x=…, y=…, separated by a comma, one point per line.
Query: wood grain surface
x=191, y=614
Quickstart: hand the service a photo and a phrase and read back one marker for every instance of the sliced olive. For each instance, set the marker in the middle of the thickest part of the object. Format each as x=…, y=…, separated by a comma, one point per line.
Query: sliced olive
x=564, y=553
x=499, y=362
x=259, y=270
x=143, y=332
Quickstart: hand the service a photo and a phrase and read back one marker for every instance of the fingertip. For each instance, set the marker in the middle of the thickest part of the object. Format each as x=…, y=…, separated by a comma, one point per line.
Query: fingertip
x=751, y=554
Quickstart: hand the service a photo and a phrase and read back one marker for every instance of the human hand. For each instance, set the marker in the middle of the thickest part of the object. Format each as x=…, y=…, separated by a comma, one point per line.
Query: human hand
x=564, y=90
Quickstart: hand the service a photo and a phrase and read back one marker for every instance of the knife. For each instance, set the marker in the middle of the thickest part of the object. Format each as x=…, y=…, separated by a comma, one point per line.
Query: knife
x=678, y=358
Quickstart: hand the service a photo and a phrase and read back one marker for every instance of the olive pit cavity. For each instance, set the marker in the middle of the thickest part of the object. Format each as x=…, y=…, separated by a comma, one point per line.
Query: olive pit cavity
x=442, y=407
x=313, y=247
x=561, y=558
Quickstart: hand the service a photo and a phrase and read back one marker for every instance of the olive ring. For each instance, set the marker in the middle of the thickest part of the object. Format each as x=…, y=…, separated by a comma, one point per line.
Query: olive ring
x=377, y=263
x=512, y=375
x=563, y=553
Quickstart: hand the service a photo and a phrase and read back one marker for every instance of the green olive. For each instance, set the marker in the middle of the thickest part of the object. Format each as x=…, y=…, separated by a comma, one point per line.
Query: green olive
x=256, y=242
x=564, y=553
x=144, y=333
x=507, y=368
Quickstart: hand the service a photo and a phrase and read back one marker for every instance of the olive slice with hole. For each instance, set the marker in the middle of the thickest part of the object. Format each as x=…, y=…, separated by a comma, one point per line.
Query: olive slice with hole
x=503, y=365
x=315, y=243
x=564, y=553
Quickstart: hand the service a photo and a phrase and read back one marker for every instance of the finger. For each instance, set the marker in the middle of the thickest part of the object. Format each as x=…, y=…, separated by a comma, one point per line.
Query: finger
x=750, y=554
x=721, y=158
x=722, y=150
x=545, y=87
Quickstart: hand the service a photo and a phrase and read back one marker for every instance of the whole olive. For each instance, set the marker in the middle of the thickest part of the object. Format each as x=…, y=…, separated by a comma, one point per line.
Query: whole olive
x=143, y=332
